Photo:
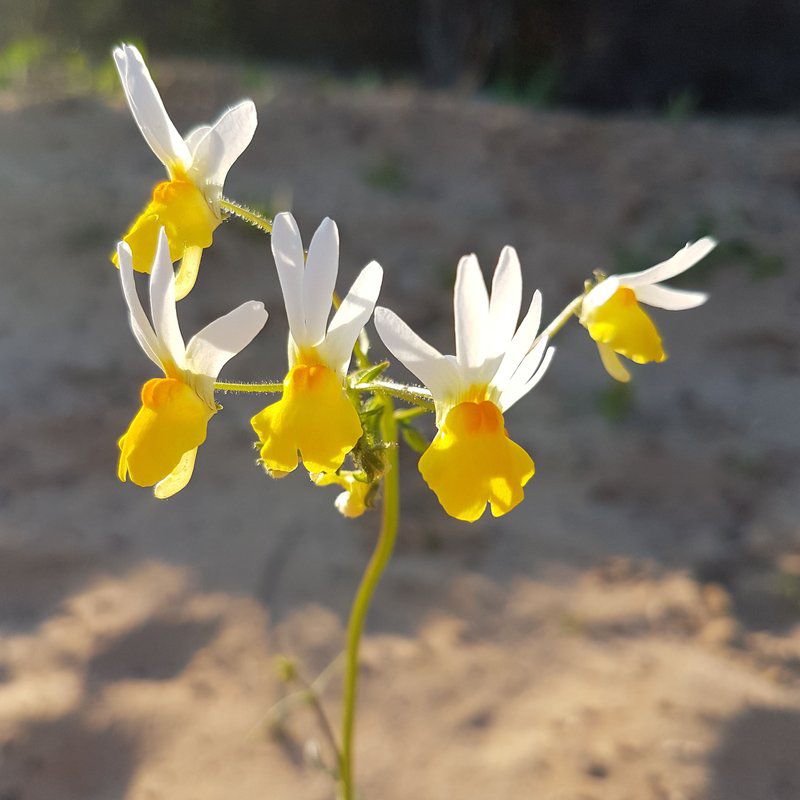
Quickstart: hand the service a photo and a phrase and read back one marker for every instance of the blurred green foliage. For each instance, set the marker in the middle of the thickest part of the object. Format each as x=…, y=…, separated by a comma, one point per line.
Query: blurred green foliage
x=682, y=106
x=671, y=56
x=313, y=31
x=540, y=90
x=388, y=173
x=414, y=438
x=616, y=402
x=37, y=58
x=19, y=58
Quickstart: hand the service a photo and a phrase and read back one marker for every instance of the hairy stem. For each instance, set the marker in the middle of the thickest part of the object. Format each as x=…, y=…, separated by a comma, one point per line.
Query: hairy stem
x=571, y=309
x=369, y=581
x=247, y=214
x=249, y=388
x=414, y=395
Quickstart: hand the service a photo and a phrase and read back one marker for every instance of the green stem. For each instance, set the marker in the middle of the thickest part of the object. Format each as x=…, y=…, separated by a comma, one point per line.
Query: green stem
x=413, y=395
x=369, y=581
x=405, y=414
x=249, y=388
x=322, y=718
x=416, y=396
x=247, y=214
x=571, y=309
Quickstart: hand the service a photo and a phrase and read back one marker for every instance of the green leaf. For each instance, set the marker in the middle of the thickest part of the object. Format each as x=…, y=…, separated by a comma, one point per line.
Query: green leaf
x=616, y=403
x=417, y=441
x=369, y=374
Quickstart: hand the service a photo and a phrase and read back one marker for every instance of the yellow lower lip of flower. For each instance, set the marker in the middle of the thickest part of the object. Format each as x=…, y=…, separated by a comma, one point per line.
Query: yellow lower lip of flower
x=314, y=418
x=180, y=208
x=171, y=422
x=621, y=324
x=472, y=462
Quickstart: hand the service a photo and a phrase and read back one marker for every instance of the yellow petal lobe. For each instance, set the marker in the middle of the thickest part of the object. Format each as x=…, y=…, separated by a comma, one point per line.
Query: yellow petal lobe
x=613, y=364
x=180, y=208
x=352, y=502
x=472, y=462
x=621, y=324
x=171, y=422
x=187, y=272
x=314, y=417
x=178, y=478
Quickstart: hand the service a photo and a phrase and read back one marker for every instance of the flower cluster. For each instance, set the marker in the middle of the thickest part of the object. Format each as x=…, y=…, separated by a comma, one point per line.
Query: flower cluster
x=326, y=412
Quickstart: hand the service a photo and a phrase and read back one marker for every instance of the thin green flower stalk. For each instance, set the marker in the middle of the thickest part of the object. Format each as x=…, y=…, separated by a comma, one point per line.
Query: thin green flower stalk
x=249, y=388
x=413, y=395
x=308, y=694
x=572, y=309
x=390, y=518
x=246, y=214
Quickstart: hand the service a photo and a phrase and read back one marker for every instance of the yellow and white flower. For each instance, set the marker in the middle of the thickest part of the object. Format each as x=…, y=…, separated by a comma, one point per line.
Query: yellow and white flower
x=160, y=445
x=472, y=461
x=187, y=205
x=352, y=502
x=615, y=320
x=315, y=417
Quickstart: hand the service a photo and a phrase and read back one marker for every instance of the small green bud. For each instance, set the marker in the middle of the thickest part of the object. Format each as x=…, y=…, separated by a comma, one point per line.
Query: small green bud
x=285, y=669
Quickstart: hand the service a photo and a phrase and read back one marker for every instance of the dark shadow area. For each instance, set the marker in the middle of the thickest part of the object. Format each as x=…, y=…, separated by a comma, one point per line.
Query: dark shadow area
x=34, y=585
x=758, y=757
x=672, y=56
x=764, y=597
x=156, y=651
x=67, y=759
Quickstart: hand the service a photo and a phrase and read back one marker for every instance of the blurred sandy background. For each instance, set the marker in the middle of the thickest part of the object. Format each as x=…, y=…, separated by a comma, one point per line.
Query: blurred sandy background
x=630, y=632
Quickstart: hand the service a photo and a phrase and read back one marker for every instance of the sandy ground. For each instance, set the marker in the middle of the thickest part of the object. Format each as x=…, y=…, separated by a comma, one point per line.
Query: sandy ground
x=629, y=633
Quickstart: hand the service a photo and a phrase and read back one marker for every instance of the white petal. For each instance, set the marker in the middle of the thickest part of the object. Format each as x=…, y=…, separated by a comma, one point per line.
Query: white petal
x=613, y=364
x=224, y=142
x=342, y=504
x=680, y=262
x=505, y=302
x=287, y=248
x=178, y=478
x=517, y=390
x=207, y=153
x=433, y=369
x=471, y=307
x=148, y=109
x=140, y=324
x=669, y=299
x=521, y=343
x=162, y=303
x=319, y=280
x=212, y=347
x=352, y=316
x=528, y=364
x=194, y=137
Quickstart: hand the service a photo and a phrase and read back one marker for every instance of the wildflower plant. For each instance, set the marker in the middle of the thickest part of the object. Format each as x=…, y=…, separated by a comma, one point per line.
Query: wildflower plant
x=335, y=411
